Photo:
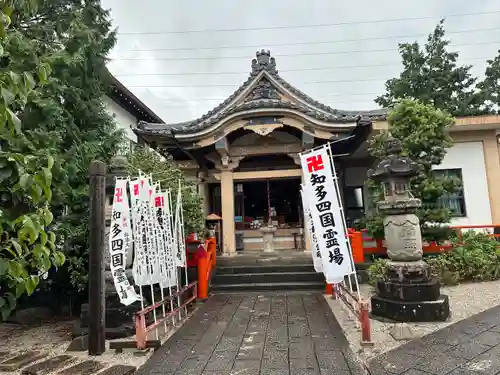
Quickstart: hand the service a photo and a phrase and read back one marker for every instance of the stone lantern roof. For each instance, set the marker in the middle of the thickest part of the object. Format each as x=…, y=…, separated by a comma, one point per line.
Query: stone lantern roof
x=393, y=165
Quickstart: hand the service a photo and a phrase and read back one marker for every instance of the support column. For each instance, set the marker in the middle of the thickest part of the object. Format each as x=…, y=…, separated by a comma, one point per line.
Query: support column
x=307, y=238
x=227, y=202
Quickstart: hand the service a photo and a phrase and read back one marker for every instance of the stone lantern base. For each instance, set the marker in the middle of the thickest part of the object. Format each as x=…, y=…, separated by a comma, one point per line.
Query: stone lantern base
x=410, y=294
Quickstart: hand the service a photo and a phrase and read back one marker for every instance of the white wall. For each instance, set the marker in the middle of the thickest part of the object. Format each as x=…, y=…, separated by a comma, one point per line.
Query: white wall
x=469, y=156
x=124, y=120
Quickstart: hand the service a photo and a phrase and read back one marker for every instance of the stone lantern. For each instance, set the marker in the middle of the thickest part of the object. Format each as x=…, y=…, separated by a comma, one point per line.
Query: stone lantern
x=408, y=292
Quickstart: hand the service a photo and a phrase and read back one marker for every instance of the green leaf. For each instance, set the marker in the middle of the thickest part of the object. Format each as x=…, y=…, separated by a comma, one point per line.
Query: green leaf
x=13, y=120
x=31, y=284
x=4, y=267
x=24, y=181
x=48, y=175
x=29, y=82
x=3, y=302
x=16, y=246
x=46, y=264
x=20, y=288
x=42, y=73
x=52, y=237
x=59, y=258
x=47, y=216
x=11, y=300
x=43, y=238
x=7, y=95
x=50, y=161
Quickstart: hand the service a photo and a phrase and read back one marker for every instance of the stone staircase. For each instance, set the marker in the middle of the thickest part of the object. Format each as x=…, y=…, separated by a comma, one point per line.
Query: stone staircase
x=258, y=271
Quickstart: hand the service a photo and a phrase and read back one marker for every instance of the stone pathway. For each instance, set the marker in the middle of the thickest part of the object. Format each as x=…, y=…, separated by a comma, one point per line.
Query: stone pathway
x=38, y=363
x=262, y=333
x=468, y=347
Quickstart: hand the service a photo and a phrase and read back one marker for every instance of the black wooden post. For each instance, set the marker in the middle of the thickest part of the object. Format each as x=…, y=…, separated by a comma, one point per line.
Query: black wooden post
x=97, y=191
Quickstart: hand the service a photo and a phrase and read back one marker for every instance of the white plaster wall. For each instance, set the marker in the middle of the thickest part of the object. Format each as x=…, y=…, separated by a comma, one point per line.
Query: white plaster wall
x=124, y=120
x=469, y=156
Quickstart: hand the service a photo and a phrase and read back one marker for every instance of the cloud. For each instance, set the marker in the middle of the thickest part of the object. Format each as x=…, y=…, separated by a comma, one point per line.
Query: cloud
x=170, y=56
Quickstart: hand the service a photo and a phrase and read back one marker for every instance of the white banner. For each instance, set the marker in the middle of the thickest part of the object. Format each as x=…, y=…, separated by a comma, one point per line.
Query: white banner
x=168, y=270
x=180, y=249
x=120, y=237
x=315, y=250
x=326, y=214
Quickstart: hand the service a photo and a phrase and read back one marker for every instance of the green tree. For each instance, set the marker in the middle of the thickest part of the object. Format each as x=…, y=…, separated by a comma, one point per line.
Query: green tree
x=490, y=86
x=68, y=113
x=432, y=76
x=28, y=248
x=423, y=133
x=166, y=173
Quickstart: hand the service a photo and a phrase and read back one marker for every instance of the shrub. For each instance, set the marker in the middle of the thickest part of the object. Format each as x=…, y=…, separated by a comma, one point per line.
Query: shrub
x=475, y=258
x=377, y=271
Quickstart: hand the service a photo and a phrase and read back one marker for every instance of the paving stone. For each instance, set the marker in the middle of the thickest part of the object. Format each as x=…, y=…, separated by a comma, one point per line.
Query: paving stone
x=332, y=360
x=4, y=355
x=487, y=363
x=488, y=338
x=246, y=364
x=337, y=372
x=467, y=350
x=119, y=370
x=274, y=371
x=393, y=362
x=438, y=364
x=20, y=360
x=49, y=365
x=304, y=371
x=83, y=368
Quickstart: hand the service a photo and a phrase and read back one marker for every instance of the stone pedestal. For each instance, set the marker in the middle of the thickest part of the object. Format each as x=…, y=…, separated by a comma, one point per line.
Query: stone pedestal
x=268, y=238
x=410, y=294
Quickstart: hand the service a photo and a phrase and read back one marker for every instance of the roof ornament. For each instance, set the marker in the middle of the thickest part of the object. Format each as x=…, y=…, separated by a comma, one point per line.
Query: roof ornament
x=264, y=61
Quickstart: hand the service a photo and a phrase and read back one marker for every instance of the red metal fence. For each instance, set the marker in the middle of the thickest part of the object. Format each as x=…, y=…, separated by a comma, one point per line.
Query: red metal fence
x=364, y=245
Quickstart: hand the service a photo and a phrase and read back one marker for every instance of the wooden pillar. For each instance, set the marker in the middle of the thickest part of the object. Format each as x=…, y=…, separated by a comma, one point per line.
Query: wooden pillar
x=307, y=238
x=227, y=203
x=97, y=224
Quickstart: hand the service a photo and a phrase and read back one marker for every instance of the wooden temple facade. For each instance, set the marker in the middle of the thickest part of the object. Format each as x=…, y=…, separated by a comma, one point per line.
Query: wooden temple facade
x=243, y=155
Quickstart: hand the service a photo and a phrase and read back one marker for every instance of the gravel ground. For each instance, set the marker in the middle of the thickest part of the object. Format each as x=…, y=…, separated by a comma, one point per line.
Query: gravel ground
x=54, y=337
x=465, y=300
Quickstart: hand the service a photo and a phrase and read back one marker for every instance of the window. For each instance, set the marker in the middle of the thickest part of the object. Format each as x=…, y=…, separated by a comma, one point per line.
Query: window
x=455, y=202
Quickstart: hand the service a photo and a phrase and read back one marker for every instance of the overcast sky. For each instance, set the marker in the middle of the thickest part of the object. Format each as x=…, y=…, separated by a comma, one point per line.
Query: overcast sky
x=182, y=58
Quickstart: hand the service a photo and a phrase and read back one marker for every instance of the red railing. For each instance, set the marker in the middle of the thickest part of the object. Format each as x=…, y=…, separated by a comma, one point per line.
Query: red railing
x=206, y=263
x=141, y=327
x=359, y=307
x=364, y=245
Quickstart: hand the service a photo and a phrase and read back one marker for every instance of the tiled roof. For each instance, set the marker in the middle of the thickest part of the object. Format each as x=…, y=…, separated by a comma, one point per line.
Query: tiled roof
x=262, y=63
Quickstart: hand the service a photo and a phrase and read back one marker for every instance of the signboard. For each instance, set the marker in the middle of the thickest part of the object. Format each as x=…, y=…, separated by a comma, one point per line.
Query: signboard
x=327, y=214
x=120, y=239
x=315, y=250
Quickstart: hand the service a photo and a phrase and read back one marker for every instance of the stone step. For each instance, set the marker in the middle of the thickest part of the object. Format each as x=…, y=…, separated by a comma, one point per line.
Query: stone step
x=49, y=365
x=21, y=360
x=83, y=368
x=297, y=285
x=119, y=370
x=245, y=269
x=270, y=277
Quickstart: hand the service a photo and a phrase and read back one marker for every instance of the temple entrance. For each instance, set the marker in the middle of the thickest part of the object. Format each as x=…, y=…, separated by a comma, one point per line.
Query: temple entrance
x=257, y=200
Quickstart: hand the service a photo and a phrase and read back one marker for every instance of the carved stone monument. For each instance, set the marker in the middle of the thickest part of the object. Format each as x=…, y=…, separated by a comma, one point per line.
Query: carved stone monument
x=408, y=293
x=119, y=318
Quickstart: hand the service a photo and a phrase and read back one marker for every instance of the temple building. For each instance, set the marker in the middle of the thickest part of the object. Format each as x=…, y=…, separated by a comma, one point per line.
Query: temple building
x=243, y=156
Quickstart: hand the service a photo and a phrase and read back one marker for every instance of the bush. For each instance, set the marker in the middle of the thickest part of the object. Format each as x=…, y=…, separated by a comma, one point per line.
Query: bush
x=377, y=271
x=475, y=258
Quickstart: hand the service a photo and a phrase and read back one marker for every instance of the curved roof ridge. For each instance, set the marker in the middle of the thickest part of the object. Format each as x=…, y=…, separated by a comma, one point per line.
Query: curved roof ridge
x=264, y=62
